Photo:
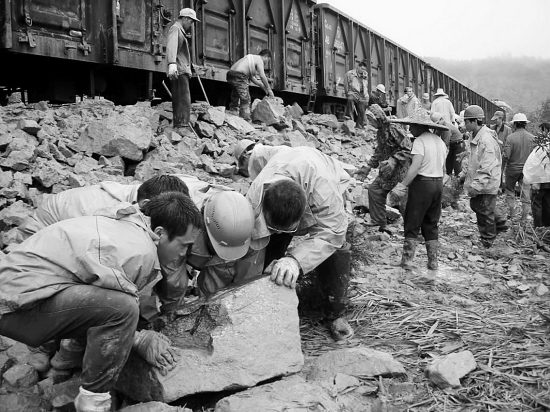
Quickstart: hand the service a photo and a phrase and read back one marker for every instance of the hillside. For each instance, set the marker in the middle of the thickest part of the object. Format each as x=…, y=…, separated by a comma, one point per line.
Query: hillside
x=522, y=82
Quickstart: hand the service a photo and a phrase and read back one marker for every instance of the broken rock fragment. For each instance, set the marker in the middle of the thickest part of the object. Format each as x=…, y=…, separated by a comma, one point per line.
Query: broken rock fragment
x=234, y=339
x=447, y=371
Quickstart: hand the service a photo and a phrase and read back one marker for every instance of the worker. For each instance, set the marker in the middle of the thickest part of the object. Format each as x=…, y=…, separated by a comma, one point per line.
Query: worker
x=425, y=102
x=376, y=97
x=229, y=221
x=80, y=278
x=424, y=181
x=356, y=88
x=242, y=152
x=407, y=104
x=536, y=172
x=517, y=149
x=84, y=201
x=180, y=66
x=300, y=192
x=482, y=175
x=241, y=73
x=453, y=140
x=392, y=157
x=443, y=105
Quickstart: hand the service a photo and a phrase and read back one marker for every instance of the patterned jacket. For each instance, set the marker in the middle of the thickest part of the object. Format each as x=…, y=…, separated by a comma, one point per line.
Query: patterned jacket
x=393, y=150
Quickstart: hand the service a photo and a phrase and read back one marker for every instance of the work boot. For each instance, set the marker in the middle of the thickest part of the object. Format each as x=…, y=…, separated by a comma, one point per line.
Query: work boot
x=432, y=247
x=69, y=355
x=87, y=401
x=340, y=329
x=409, y=247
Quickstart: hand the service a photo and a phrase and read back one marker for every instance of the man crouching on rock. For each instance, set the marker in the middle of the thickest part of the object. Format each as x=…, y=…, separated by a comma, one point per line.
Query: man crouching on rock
x=300, y=192
x=81, y=278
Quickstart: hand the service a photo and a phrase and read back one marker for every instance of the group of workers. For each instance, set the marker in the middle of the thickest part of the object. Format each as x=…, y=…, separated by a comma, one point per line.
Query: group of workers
x=96, y=262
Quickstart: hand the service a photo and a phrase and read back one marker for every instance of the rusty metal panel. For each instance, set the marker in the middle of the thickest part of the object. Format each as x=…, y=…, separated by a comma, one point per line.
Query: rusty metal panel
x=335, y=33
x=5, y=25
x=297, y=68
x=219, y=36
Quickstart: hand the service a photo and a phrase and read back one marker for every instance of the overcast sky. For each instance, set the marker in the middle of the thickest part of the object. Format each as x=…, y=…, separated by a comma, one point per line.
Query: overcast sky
x=458, y=29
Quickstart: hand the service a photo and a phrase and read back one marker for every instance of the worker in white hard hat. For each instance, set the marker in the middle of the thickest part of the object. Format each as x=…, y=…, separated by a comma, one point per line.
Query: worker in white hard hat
x=517, y=148
x=229, y=220
x=377, y=96
x=180, y=66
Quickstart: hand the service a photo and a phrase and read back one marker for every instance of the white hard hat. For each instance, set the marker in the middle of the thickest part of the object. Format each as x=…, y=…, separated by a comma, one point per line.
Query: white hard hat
x=520, y=117
x=381, y=88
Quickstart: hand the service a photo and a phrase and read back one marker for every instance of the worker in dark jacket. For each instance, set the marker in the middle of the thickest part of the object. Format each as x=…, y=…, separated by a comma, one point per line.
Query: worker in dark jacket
x=179, y=66
x=356, y=88
x=81, y=278
x=517, y=149
x=392, y=156
x=453, y=140
x=376, y=97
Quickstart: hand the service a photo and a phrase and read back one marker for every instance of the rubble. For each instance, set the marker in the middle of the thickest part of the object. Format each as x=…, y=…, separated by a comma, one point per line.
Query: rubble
x=235, y=339
x=448, y=371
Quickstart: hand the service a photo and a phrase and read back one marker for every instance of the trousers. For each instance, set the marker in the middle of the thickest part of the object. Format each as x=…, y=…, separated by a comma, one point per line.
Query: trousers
x=377, y=203
x=105, y=318
x=333, y=274
x=361, y=106
x=487, y=217
x=423, y=209
x=451, y=164
x=240, y=93
x=181, y=100
x=540, y=206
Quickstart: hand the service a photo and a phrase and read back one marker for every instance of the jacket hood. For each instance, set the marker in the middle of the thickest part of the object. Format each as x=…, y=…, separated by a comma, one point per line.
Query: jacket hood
x=127, y=212
x=124, y=193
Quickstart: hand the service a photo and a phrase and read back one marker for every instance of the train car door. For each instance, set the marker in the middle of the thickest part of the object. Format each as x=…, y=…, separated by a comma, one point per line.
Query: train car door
x=220, y=39
x=261, y=29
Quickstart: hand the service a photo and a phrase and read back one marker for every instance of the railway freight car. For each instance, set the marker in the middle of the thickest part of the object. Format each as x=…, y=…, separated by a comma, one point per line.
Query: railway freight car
x=341, y=41
x=57, y=50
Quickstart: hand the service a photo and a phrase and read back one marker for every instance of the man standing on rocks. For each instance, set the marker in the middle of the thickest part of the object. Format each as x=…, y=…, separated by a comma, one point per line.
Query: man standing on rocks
x=407, y=104
x=356, y=87
x=500, y=127
x=443, y=105
x=241, y=73
x=300, y=192
x=81, y=278
x=517, y=149
x=425, y=103
x=392, y=156
x=483, y=175
x=424, y=179
x=180, y=66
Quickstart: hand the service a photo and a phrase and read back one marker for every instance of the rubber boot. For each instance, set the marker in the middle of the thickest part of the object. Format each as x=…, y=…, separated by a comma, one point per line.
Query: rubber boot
x=69, y=355
x=511, y=202
x=409, y=247
x=525, y=208
x=87, y=401
x=432, y=247
x=333, y=276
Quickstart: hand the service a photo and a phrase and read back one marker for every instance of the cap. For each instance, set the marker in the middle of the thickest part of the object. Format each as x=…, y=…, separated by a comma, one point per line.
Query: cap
x=498, y=115
x=440, y=92
x=189, y=13
x=426, y=96
x=381, y=88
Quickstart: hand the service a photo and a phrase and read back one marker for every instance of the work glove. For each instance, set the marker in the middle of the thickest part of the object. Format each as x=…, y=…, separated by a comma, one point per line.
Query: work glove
x=172, y=71
x=156, y=349
x=284, y=271
x=398, y=193
x=87, y=401
x=363, y=172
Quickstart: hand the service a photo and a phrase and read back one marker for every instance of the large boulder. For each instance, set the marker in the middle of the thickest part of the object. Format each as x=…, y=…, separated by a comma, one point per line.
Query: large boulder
x=234, y=339
x=117, y=135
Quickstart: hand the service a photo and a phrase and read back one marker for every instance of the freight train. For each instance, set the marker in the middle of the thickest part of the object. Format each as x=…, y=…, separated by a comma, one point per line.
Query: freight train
x=62, y=50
